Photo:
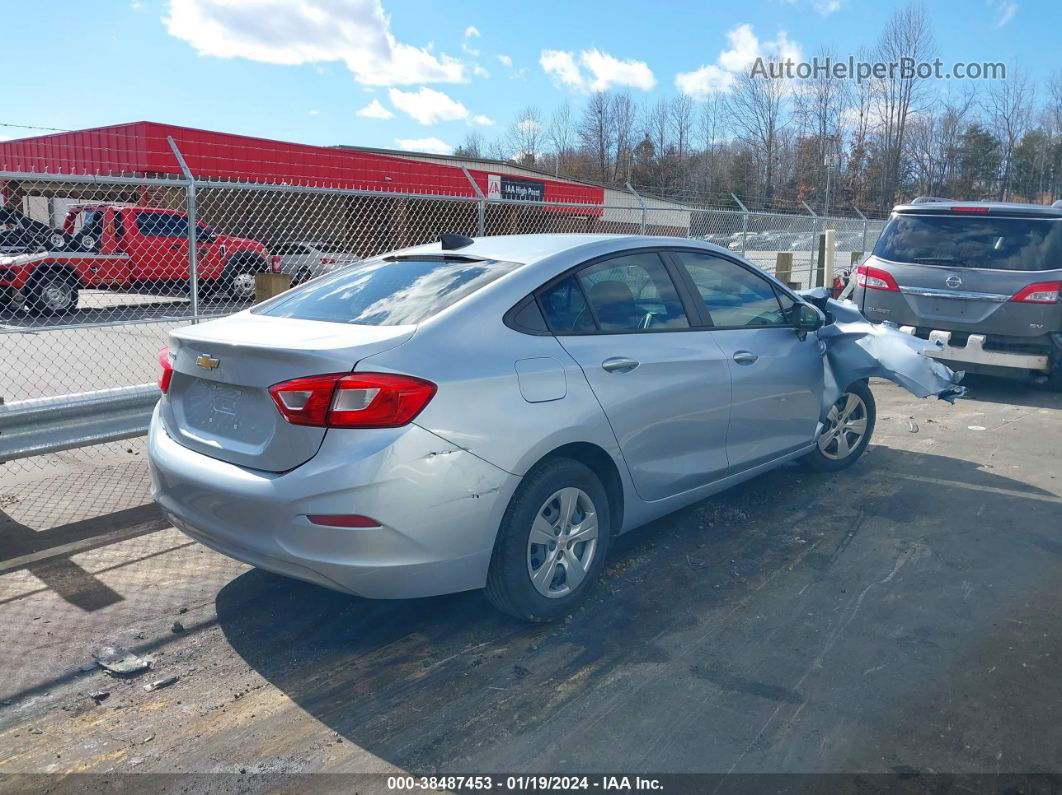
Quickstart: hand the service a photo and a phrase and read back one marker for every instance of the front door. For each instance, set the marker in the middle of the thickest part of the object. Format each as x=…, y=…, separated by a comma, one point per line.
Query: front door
x=663, y=384
x=777, y=377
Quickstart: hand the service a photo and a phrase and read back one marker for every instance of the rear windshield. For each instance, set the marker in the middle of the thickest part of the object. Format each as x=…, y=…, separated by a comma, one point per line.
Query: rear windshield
x=382, y=293
x=1014, y=244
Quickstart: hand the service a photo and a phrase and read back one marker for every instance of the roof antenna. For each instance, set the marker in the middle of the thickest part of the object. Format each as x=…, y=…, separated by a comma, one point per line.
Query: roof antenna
x=451, y=242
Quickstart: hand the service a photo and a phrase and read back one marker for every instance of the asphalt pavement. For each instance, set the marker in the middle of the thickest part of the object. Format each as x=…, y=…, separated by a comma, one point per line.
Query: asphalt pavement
x=899, y=617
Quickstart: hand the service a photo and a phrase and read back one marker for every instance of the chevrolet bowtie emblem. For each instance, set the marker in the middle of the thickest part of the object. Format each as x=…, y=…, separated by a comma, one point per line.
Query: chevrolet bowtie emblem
x=207, y=362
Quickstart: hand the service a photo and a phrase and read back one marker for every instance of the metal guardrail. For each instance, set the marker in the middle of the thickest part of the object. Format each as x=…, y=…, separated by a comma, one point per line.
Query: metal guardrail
x=48, y=425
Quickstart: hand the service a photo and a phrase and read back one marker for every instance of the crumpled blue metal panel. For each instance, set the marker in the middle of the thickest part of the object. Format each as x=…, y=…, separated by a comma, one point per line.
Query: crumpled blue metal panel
x=858, y=349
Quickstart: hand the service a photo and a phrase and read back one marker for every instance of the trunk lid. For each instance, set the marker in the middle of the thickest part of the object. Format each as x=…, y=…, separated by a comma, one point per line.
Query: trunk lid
x=218, y=402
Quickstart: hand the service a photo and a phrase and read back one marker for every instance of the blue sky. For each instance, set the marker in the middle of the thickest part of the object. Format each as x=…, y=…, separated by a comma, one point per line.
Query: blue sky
x=433, y=71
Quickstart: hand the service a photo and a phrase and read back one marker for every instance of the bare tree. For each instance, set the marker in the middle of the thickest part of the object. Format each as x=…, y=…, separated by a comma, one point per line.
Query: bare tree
x=1009, y=108
x=474, y=145
x=906, y=36
x=935, y=143
x=597, y=133
x=561, y=136
x=820, y=106
x=527, y=135
x=755, y=105
x=624, y=117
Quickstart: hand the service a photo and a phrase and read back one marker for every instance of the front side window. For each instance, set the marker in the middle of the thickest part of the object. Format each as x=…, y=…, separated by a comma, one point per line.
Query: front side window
x=385, y=292
x=632, y=293
x=733, y=296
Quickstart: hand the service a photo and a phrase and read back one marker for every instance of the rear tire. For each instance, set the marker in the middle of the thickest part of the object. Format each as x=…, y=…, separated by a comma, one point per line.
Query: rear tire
x=52, y=293
x=847, y=432
x=552, y=542
x=238, y=277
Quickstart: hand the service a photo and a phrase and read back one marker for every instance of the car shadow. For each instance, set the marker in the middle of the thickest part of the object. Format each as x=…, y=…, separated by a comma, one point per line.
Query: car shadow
x=989, y=389
x=448, y=684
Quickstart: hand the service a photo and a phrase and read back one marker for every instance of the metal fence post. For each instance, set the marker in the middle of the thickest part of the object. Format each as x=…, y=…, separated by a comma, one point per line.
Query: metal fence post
x=814, y=240
x=193, y=230
x=744, y=222
x=640, y=202
x=481, y=205
x=865, y=225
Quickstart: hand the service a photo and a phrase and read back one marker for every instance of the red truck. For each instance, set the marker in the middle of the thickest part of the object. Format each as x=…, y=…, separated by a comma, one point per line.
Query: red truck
x=118, y=246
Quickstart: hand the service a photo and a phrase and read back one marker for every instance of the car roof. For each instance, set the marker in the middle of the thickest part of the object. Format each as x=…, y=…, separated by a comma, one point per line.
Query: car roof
x=924, y=204
x=532, y=248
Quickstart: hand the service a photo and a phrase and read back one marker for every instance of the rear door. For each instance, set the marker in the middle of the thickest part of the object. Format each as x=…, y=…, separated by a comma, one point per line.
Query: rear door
x=777, y=377
x=662, y=382
x=970, y=272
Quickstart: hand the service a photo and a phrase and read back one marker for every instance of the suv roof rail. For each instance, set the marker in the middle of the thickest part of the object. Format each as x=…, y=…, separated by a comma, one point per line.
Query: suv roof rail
x=928, y=200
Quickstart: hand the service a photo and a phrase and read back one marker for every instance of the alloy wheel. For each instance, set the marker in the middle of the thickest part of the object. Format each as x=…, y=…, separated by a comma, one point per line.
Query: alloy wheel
x=846, y=425
x=562, y=542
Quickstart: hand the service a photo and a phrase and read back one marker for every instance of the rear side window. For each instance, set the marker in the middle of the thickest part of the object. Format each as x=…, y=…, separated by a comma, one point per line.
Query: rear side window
x=162, y=225
x=564, y=306
x=963, y=241
x=387, y=293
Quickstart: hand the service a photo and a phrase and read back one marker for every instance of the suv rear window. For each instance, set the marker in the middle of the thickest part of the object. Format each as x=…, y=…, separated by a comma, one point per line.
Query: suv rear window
x=387, y=293
x=962, y=241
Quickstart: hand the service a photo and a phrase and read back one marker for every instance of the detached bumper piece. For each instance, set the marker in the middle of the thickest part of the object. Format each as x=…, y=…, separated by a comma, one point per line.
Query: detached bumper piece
x=973, y=352
x=856, y=349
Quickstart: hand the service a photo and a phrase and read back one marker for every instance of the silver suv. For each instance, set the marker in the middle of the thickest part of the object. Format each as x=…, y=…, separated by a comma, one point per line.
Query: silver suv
x=982, y=277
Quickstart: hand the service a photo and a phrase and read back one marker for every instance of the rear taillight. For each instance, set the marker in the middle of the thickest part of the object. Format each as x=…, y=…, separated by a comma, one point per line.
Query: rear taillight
x=352, y=400
x=166, y=375
x=1039, y=293
x=875, y=279
x=974, y=210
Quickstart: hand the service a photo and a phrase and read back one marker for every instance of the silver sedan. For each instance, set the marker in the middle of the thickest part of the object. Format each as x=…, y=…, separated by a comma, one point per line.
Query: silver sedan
x=491, y=413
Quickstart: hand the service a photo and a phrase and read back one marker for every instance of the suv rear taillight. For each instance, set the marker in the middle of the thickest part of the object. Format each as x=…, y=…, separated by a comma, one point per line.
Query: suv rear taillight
x=1039, y=293
x=167, y=370
x=875, y=279
x=352, y=400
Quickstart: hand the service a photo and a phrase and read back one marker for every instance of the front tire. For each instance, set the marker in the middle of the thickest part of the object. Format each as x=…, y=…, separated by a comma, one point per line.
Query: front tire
x=552, y=542
x=846, y=434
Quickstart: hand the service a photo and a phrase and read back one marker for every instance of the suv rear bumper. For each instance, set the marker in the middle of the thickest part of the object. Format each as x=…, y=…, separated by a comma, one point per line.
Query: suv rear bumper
x=973, y=352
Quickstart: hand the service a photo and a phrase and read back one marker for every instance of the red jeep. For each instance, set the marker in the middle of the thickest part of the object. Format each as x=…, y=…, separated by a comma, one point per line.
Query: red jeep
x=117, y=246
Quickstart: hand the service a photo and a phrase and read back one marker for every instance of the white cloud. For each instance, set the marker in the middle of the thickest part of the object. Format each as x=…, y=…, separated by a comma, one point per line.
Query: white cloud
x=356, y=32
x=479, y=71
x=745, y=47
x=827, y=7
x=431, y=145
x=482, y=120
x=1006, y=9
x=505, y=60
x=315, y=112
x=375, y=110
x=428, y=106
x=471, y=32
x=595, y=70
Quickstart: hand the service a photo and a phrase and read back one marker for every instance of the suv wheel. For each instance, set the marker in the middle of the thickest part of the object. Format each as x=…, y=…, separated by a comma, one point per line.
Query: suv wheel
x=552, y=542
x=52, y=293
x=846, y=434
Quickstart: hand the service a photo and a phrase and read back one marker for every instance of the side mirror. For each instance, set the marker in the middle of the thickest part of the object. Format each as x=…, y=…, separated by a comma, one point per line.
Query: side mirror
x=808, y=318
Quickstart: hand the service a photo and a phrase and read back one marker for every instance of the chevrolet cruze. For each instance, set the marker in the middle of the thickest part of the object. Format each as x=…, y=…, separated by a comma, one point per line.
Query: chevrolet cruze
x=490, y=413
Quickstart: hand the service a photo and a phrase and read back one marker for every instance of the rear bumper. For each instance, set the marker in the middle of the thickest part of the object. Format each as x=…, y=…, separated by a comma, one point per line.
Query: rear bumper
x=439, y=509
x=973, y=352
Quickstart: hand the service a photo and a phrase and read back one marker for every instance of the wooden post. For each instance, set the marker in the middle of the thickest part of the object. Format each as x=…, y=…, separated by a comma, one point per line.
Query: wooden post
x=783, y=267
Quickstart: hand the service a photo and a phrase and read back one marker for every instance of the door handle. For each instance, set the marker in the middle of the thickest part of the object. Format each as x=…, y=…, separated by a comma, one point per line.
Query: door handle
x=745, y=357
x=618, y=364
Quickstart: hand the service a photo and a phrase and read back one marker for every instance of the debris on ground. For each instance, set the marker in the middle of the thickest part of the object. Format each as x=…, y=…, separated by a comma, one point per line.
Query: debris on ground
x=177, y=628
x=520, y=672
x=120, y=662
x=161, y=683
x=100, y=695
x=912, y=426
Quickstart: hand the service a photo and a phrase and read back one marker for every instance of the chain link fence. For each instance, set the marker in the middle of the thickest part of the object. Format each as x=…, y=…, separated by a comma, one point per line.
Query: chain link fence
x=96, y=271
